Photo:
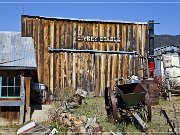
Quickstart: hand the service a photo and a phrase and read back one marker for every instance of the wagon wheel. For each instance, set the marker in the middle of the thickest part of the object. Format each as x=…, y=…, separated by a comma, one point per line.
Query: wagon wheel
x=146, y=113
x=110, y=104
x=149, y=112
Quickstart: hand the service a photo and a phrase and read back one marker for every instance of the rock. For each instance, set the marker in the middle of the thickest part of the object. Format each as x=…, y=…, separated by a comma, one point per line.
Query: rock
x=97, y=129
x=106, y=133
x=61, y=119
x=78, y=123
x=69, y=132
x=81, y=92
x=83, y=118
x=72, y=105
x=91, y=94
x=82, y=130
x=84, y=102
x=90, y=122
x=66, y=122
x=63, y=115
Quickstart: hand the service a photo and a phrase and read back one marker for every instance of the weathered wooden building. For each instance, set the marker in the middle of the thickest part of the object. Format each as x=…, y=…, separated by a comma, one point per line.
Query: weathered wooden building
x=88, y=70
x=17, y=67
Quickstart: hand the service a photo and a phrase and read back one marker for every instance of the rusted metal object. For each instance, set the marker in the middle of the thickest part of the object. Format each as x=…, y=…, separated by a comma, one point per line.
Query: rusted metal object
x=110, y=104
x=127, y=101
x=152, y=87
x=168, y=121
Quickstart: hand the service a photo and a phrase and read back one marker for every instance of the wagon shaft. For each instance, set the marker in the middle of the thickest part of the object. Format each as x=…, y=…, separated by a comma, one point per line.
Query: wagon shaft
x=140, y=121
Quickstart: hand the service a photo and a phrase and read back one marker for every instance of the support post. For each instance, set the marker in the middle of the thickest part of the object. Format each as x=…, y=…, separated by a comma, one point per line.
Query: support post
x=28, y=108
x=151, y=48
x=22, y=94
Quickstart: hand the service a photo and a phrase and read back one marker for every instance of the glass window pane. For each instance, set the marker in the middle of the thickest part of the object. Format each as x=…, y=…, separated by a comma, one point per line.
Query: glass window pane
x=4, y=92
x=18, y=81
x=4, y=81
x=10, y=91
x=11, y=81
x=17, y=91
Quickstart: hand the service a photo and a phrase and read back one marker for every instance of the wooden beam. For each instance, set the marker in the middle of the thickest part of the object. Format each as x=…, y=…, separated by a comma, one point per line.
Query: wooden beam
x=51, y=81
x=27, y=84
x=28, y=108
x=21, y=114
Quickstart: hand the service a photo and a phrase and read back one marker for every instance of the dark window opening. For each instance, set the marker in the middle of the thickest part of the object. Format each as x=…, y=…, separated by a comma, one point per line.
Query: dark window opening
x=10, y=86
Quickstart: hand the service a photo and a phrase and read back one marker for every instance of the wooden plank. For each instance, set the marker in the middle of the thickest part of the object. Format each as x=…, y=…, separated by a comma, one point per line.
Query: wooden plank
x=57, y=56
x=105, y=57
x=119, y=33
x=65, y=56
x=46, y=68
x=23, y=27
x=134, y=31
x=28, y=107
x=80, y=58
x=146, y=51
x=91, y=61
x=38, y=49
x=124, y=48
x=140, y=50
x=85, y=60
x=137, y=49
x=10, y=103
x=51, y=56
x=109, y=57
x=74, y=55
x=93, y=74
x=113, y=66
x=54, y=58
x=41, y=42
x=130, y=48
x=102, y=63
x=96, y=60
x=62, y=54
x=21, y=117
x=70, y=55
x=27, y=85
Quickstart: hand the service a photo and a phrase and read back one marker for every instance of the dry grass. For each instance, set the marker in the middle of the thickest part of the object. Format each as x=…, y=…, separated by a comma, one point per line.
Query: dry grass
x=95, y=107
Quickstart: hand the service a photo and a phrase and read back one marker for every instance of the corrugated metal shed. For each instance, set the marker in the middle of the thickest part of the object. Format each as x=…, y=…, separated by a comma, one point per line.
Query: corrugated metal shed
x=172, y=64
x=16, y=51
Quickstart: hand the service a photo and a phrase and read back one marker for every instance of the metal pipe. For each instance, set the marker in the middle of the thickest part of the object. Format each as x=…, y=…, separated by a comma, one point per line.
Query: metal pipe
x=151, y=47
x=52, y=50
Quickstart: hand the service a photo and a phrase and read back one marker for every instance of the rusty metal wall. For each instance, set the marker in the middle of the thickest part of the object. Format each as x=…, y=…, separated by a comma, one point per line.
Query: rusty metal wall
x=81, y=70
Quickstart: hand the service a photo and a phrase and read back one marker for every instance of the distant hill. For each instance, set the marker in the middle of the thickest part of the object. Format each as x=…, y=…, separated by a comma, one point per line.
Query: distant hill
x=164, y=40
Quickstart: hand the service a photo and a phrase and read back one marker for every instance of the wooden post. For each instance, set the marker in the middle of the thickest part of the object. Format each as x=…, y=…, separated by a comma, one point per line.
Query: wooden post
x=21, y=114
x=51, y=81
x=28, y=108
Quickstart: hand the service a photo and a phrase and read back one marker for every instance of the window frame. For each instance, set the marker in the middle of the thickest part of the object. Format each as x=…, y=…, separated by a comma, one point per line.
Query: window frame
x=14, y=86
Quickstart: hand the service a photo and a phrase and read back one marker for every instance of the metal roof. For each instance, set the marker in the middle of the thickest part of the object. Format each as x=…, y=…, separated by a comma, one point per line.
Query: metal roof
x=86, y=20
x=16, y=51
x=169, y=48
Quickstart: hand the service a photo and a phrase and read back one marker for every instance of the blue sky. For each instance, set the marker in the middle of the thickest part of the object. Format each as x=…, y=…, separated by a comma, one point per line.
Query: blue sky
x=167, y=14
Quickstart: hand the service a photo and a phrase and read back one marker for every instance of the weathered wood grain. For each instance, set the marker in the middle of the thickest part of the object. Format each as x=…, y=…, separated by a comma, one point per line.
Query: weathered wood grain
x=92, y=72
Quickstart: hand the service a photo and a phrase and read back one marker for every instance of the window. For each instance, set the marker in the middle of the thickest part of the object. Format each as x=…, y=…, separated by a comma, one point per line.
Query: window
x=10, y=86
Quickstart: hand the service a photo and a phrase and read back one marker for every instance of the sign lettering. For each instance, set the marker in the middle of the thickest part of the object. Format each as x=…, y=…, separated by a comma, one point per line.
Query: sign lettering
x=99, y=39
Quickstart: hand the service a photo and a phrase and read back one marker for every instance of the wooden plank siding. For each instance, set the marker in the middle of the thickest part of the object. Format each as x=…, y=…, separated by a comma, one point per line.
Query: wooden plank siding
x=91, y=72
